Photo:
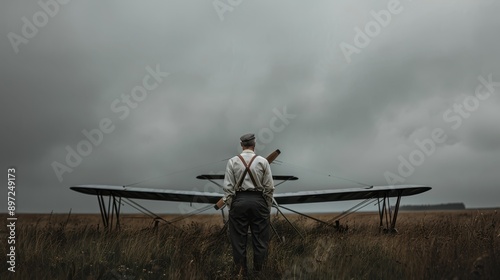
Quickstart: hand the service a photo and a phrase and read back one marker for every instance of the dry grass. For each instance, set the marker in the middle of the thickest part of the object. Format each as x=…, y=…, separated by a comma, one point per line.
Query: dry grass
x=439, y=245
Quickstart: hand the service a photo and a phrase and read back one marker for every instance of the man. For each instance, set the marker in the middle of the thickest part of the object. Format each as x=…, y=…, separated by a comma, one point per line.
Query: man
x=248, y=191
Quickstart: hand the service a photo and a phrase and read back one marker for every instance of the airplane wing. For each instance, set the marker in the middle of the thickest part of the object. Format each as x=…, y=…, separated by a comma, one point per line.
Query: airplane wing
x=149, y=194
x=281, y=198
x=349, y=194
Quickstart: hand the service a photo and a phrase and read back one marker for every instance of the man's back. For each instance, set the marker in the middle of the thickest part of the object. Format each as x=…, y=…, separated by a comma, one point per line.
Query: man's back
x=260, y=169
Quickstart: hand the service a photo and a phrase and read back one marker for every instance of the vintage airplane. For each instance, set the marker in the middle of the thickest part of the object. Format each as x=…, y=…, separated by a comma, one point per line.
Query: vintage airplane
x=123, y=194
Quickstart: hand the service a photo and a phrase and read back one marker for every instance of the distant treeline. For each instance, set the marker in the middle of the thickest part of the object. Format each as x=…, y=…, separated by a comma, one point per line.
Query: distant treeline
x=446, y=206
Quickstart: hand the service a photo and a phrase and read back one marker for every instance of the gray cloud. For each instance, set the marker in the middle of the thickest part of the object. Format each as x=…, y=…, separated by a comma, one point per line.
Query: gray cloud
x=228, y=78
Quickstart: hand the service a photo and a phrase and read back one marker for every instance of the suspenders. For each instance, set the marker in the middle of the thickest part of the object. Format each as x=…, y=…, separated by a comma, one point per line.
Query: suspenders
x=247, y=170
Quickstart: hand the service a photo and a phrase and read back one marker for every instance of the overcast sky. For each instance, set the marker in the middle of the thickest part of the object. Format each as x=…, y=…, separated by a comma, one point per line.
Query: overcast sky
x=370, y=91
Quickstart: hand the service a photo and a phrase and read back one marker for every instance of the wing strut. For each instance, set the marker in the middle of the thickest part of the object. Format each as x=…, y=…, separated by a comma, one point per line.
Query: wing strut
x=192, y=213
x=276, y=232
x=307, y=216
x=110, y=210
x=353, y=209
x=288, y=221
x=386, y=212
x=145, y=211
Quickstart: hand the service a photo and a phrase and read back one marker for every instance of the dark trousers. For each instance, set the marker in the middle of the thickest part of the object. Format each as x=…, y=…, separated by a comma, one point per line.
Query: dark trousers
x=249, y=209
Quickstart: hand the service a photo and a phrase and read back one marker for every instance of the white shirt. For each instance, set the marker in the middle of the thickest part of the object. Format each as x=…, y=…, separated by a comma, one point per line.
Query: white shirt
x=261, y=171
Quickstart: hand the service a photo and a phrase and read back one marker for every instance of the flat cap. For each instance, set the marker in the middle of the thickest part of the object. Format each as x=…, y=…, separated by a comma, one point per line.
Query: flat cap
x=247, y=137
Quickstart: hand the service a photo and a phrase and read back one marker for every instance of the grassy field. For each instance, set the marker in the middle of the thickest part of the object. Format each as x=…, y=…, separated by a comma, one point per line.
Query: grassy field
x=430, y=245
